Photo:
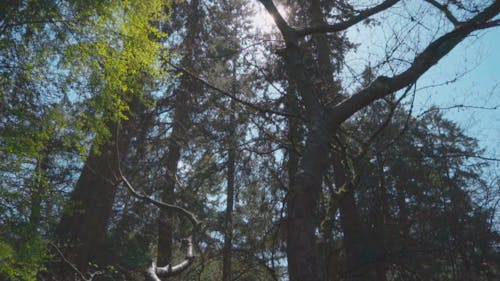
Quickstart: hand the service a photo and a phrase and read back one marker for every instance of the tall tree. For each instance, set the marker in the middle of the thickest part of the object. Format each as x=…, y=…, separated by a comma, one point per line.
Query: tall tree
x=120, y=89
x=187, y=89
x=324, y=118
x=290, y=153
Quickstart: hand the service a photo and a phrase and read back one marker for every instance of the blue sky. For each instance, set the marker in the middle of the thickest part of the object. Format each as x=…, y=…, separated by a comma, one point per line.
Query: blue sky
x=469, y=75
x=479, y=57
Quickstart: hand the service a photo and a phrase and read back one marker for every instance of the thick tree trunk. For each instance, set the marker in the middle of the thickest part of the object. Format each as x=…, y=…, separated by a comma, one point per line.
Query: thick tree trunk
x=304, y=261
x=351, y=224
x=85, y=218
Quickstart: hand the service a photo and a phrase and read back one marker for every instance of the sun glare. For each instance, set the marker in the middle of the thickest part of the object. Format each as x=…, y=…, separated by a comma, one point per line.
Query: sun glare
x=263, y=22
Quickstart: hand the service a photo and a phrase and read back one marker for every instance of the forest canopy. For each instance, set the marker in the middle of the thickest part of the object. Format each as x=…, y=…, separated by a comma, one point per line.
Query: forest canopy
x=239, y=140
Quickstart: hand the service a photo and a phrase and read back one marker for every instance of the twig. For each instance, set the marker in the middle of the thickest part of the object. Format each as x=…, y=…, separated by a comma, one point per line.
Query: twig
x=73, y=266
x=392, y=109
x=140, y=195
x=444, y=9
x=153, y=271
x=230, y=95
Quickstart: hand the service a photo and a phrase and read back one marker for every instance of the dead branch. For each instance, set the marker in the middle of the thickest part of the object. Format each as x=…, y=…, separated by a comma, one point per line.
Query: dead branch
x=153, y=273
x=231, y=95
x=141, y=195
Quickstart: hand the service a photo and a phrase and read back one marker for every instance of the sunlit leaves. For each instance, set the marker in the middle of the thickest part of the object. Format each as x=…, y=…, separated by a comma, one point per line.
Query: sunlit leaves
x=68, y=69
x=118, y=54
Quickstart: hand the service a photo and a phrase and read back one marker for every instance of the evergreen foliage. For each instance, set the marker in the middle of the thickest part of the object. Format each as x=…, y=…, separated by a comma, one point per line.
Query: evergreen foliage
x=300, y=164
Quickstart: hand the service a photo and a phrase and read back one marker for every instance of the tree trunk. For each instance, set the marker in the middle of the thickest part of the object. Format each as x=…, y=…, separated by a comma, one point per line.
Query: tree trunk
x=86, y=216
x=351, y=224
x=175, y=143
x=228, y=227
x=380, y=233
x=304, y=261
x=39, y=189
x=181, y=121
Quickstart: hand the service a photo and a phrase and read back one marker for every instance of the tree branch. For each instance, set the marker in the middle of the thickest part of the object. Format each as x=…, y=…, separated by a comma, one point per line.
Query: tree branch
x=153, y=272
x=73, y=266
x=140, y=195
x=328, y=28
x=289, y=33
x=232, y=95
x=493, y=23
x=443, y=8
x=392, y=109
x=458, y=106
x=383, y=85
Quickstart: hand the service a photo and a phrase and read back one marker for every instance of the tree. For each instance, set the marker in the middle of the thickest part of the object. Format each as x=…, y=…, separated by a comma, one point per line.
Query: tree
x=325, y=118
x=269, y=148
x=180, y=127
x=121, y=76
x=411, y=206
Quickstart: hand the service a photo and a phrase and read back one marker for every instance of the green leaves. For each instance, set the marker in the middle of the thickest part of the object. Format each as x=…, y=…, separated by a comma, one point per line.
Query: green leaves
x=68, y=69
x=119, y=50
x=22, y=255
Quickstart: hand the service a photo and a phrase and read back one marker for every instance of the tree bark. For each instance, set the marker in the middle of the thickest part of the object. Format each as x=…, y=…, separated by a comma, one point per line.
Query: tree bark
x=228, y=227
x=302, y=201
x=304, y=261
x=85, y=218
x=380, y=215
x=178, y=137
x=350, y=222
x=175, y=143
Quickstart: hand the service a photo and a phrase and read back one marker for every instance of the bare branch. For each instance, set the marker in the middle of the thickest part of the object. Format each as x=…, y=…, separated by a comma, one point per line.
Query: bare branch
x=140, y=195
x=328, y=28
x=443, y=8
x=153, y=272
x=459, y=106
x=493, y=23
x=392, y=109
x=459, y=155
x=231, y=95
x=383, y=85
x=73, y=266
